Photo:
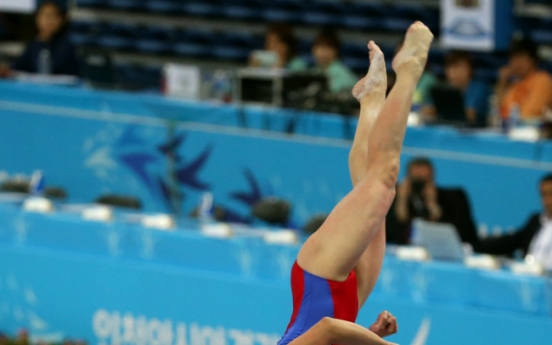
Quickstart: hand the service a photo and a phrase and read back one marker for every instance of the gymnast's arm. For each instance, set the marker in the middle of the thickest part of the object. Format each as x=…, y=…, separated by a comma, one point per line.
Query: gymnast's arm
x=333, y=331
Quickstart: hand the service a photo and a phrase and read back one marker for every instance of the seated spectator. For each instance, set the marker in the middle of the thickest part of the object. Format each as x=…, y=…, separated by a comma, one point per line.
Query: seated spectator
x=51, y=52
x=522, y=84
x=419, y=197
x=459, y=74
x=422, y=94
x=326, y=57
x=534, y=238
x=281, y=41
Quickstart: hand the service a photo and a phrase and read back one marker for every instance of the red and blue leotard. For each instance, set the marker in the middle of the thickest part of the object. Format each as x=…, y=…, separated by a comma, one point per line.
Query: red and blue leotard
x=315, y=298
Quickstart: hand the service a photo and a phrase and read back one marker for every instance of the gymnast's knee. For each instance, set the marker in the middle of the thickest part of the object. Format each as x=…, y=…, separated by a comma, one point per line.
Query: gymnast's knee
x=386, y=173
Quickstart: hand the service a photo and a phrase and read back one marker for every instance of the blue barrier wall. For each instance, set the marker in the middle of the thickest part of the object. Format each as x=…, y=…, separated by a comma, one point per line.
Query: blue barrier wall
x=94, y=152
x=95, y=156
x=119, y=283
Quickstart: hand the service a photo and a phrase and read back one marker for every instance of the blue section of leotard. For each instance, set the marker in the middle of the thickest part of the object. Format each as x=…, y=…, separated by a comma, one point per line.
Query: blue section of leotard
x=316, y=303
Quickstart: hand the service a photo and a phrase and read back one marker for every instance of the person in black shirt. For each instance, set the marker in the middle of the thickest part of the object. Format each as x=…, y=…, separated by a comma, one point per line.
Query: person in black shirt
x=418, y=197
x=51, y=52
x=534, y=238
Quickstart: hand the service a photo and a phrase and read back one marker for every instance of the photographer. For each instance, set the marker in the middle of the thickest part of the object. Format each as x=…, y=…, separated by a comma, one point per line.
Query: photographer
x=419, y=197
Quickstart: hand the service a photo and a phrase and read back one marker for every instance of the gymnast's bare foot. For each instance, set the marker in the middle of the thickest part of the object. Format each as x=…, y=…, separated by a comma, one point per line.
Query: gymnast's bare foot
x=413, y=55
x=374, y=84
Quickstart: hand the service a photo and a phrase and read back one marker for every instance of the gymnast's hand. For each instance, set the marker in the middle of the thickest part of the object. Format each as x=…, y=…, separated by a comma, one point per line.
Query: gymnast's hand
x=385, y=325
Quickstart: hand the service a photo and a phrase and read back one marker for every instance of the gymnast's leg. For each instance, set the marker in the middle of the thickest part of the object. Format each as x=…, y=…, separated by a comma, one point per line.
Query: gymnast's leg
x=338, y=246
x=370, y=92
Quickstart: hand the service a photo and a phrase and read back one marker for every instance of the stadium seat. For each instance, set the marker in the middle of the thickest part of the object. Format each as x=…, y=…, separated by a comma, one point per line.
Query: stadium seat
x=194, y=43
x=118, y=36
x=138, y=77
x=191, y=50
x=124, y=201
x=322, y=13
x=24, y=187
x=538, y=29
x=97, y=69
x=163, y=6
x=154, y=40
x=236, y=46
x=242, y=9
x=84, y=33
x=205, y=8
x=525, y=25
x=542, y=36
x=92, y=3
x=58, y=193
x=394, y=20
x=356, y=64
x=272, y=210
x=126, y=5
x=355, y=50
x=414, y=12
x=153, y=76
x=123, y=72
x=545, y=23
x=395, y=24
x=362, y=16
x=283, y=11
x=244, y=40
x=15, y=186
x=355, y=56
x=543, y=2
x=230, y=53
x=400, y=17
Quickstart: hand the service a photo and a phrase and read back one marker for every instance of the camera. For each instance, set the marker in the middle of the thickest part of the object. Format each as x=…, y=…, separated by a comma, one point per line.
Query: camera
x=417, y=186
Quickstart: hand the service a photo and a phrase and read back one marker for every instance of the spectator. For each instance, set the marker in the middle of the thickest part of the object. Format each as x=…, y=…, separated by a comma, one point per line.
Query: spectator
x=419, y=197
x=522, y=84
x=51, y=52
x=280, y=40
x=534, y=238
x=326, y=57
x=422, y=95
x=459, y=74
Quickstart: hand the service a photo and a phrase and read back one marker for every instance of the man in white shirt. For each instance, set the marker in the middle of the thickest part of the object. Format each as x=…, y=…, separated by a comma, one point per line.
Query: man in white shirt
x=534, y=238
x=541, y=245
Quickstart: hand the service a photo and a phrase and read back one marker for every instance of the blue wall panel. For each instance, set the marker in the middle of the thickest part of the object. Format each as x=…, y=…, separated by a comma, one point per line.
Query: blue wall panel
x=93, y=150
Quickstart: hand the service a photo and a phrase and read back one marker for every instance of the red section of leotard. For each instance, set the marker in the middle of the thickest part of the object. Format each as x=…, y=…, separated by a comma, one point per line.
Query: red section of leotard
x=345, y=298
